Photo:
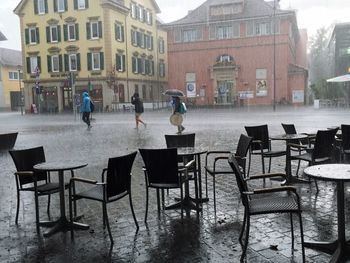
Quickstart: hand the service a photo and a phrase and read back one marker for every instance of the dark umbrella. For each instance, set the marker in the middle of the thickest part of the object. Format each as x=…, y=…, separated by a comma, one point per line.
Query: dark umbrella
x=174, y=93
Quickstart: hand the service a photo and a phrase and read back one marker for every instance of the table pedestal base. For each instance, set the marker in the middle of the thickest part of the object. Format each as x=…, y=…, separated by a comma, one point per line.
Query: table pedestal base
x=62, y=225
x=187, y=202
x=340, y=251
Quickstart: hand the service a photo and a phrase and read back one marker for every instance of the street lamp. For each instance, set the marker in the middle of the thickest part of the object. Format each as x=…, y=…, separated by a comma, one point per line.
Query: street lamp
x=20, y=88
x=274, y=54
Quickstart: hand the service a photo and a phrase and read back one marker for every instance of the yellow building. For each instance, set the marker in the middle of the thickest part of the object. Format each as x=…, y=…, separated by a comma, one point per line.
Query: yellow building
x=111, y=48
x=10, y=79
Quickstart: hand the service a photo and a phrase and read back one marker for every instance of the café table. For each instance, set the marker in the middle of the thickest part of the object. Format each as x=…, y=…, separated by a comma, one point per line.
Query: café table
x=188, y=201
x=338, y=173
x=62, y=224
x=289, y=138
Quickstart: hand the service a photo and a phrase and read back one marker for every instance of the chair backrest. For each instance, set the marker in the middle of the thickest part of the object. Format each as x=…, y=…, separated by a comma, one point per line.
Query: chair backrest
x=242, y=185
x=180, y=140
x=289, y=128
x=119, y=174
x=324, y=143
x=261, y=133
x=161, y=165
x=25, y=160
x=243, y=145
x=345, y=135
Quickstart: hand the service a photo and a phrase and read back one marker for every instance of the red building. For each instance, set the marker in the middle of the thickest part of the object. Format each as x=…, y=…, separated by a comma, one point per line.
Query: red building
x=226, y=52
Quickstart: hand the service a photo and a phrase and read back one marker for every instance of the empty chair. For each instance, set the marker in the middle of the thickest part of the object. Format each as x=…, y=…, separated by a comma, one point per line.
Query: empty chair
x=215, y=168
x=283, y=199
x=115, y=184
x=261, y=145
x=345, y=142
x=27, y=179
x=162, y=172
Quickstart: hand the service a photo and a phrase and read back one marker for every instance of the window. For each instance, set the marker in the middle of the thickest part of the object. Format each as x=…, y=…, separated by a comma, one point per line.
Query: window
x=33, y=38
x=13, y=75
x=55, y=63
x=94, y=30
x=149, y=17
x=41, y=7
x=133, y=10
x=33, y=64
x=60, y=6
x=53, y=34
x=119, y=32
x=161, y=69
x=71, y=32
x=136, y=65
x=96, y=62
x=73, y=62
x=140, y=9
x=120, y=62
x=224, y=32
x=161, y=46
x=263, y=28
x=81, y=4
x=190, y=35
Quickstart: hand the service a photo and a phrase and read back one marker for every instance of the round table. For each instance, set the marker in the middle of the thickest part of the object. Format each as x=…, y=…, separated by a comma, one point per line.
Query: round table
x=339, y=173
x=62, y=224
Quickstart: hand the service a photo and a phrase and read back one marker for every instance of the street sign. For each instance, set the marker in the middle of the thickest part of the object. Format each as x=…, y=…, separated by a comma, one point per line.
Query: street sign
x=76, y=99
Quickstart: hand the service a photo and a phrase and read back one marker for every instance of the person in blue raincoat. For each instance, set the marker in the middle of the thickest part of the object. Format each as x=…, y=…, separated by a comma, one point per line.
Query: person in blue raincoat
x=85, y=109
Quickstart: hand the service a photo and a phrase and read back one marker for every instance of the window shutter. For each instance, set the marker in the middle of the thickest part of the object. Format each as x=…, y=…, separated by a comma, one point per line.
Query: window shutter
x=151, y=18
x=78, y=62
x=133, y=64
x=152, y=67
x=28, y=64
x=139, y=65
x=89, y=59
x=86, y=4
x=26, y=35
x=59, y=33
x=48, y=35
x=75, y=4
x=123, y=63
x=118, y=62
x=88, y=32
x=122, y=33
x=151, y=42
x=36, y=11
x=49, y=65
x=116, y=31
x=60, y=66
x=37, y=36
x=65, y=32
x=65, y=5
x=100, y=29
x=102, y=62
x=132, y=38
x=66, y=62
x=55, y=5
x=46, y=7
x=39, y=62
x=77, y=31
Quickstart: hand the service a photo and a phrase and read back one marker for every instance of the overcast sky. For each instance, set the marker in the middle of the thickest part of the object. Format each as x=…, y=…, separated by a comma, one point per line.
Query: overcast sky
x=311, y=14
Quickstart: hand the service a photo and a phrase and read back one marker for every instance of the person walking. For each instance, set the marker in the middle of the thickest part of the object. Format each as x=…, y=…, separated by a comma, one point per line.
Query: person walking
x=138, y=103
x=85, y=109
x=178, y=109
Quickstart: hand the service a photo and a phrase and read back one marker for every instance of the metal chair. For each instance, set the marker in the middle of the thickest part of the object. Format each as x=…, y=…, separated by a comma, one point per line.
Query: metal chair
x=261, y=145
x=345, y=142
x=114, y=185
x=162, y=172
x=33, y=181
x=240, y=155
x=284, y=199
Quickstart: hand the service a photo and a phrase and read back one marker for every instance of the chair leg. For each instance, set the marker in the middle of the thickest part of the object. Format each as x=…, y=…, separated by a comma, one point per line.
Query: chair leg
x=158, y=201
x=181, y=200
x=246, y=239
x=243, y=227
x=103, y=217
x=18, y=201
x=263, y=164
x=146, y=212
x=132, y=211
x=197, y=196
x=37, y=210
x=270, y=164
x=48, y=205
x=297, y=173
x=107, y=222
x=292, y=229
x=206, y=184
x=74, y=201
x=250, y=159
x=302, y=236
x=316, y=186
x=214, y=193
x=71, y=214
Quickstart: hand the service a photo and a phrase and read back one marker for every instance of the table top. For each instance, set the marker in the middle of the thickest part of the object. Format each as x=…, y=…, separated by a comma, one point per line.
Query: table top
x=288, y=137
x=59, y=165
x=329, y=172
x=184, y=151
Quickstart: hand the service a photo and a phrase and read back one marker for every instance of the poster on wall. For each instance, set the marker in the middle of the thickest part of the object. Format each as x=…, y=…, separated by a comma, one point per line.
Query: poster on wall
x=298, y=96
x=261, y=88
x=191, y=89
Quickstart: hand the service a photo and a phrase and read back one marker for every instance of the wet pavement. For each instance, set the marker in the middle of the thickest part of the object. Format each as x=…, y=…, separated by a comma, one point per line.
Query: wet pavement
x=166, y=238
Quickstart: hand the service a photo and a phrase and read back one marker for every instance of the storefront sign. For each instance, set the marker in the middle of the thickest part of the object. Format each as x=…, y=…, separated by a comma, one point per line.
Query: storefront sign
x=298, y=96
x=191, y=89
x=246, y=94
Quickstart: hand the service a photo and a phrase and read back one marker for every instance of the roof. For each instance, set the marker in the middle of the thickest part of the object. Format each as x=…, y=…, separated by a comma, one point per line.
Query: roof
x=10, y=57
x=252, y=9
x=2, y=36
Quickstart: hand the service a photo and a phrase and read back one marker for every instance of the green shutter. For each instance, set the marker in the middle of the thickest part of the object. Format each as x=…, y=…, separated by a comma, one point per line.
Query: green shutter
x=102, y=61
x=66, y=62
x=65, y=32
x=28, y=65
x=100, y=29
x=77, y=31
x=36, y=11
x=86, y=4
x=78, y=62
x=133, y=61
x=88, y=32
x=46, y=7
x=89, y=61
x=117, y=62
x=60, y=66
x=122, y=33
x=115, y=31
x=37, y=36
x=65, y=5
x=39, y=63
x=123, y=63
x=75, y=4
x=49, y=68
x=48, y=35
x=59, y=33
x=26, y=35
x=55, y=5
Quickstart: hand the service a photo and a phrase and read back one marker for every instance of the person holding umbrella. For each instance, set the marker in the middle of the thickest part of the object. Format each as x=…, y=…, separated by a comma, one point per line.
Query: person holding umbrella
x=137, y=102
x=178, y=111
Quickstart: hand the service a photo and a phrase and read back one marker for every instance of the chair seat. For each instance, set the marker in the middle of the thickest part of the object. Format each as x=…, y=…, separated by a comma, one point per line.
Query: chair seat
x=274, y=204
x=211, y=171
x=47, y=188
x=164, y=186
x=274, y=153
x=308, y=157
x=96, y=193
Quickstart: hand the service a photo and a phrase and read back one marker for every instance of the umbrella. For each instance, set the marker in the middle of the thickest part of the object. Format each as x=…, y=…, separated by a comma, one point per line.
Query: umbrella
x=343, y=78
x=174, y=93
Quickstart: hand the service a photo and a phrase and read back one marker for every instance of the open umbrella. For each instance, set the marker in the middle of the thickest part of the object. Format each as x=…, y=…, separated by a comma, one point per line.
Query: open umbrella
x=174, y=93
x=343, y=78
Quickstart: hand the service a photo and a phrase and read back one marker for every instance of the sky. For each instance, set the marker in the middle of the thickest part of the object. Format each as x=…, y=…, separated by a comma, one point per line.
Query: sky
x=311, y=14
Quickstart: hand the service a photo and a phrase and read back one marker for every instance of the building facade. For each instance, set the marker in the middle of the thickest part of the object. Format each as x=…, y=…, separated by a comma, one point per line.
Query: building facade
x=10, y=79
x=111, y=48
x=238, y=52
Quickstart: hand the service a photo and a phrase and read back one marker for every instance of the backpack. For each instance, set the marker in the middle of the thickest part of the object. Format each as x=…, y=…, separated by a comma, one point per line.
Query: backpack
x=92, y=106
x=182, y=108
